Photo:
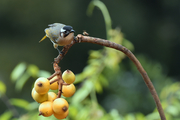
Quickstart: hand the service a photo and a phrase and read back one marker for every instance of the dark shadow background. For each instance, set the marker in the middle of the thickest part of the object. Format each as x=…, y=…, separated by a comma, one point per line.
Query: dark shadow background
x=152, y=26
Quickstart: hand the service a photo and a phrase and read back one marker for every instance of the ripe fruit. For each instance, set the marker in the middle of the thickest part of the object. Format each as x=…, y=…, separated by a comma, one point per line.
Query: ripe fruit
x=61, y=116
x=32, y=92
x=39, y=98
x=68, y=76
x=51, y=96
x=45, y=109
x=68, y=90
x=54, y=86
x=60, y=106
x=42, y=85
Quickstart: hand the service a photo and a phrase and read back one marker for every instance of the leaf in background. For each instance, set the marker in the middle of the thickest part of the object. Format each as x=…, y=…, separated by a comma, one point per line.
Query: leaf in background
x=41, y=117
x=113, y=59
x=18, y=71
x=140, y=116
x=103, y=80
x=152, y=116
x=83, y=92
x=115, y=115
x=43, y=73
x=33, y=106
x=6, y=115
x=33, y=70
x=79, y=78
x=105, y=12
x=94, y=54
x=19, y=103
x=128, y=44
x=74, y=110
x=21, y=81
x=89, y=70
x=173, y=110
x=2, y=88
x=116, y=35
x=83, y=114
x=130, y=117
x=98, y=87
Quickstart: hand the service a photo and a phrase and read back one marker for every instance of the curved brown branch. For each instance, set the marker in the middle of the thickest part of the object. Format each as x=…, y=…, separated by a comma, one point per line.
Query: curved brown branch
x=63, y=52
x=131, y=56
x=80, y=38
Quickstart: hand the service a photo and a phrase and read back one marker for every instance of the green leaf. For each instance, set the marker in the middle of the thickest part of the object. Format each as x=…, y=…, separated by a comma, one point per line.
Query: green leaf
x=74, y=111
x=128, y=44
x=153, y=116
x=104, y=11
x=98, y=87
x=103, y=80
x=33, y=70
x=115, y=115
x=83, y=113
x=89, y=70
x=18, y=71
x=79, y=77
x=33, y=106
x=41, y=117
x=2, y=88
x=20, y=82
x=83, y=92
x=173, y=110
x=130, y=117
x=6, y=116
x=94, y=54
x=43, y=73
x=19, y=103
x=140, y=116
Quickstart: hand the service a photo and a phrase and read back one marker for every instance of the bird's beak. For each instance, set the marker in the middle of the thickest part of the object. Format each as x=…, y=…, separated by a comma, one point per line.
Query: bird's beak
x=43, y=38
x=72, y=31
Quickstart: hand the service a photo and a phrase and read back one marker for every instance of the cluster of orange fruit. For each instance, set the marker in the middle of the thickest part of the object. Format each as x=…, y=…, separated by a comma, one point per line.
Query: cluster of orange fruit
x=50, y=104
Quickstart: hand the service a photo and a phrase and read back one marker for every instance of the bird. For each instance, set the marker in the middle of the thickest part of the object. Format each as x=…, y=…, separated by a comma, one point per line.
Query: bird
x=59, y=34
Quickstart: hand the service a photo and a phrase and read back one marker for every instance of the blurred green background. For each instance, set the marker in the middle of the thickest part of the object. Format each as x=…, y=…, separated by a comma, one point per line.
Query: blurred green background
x=152, y=27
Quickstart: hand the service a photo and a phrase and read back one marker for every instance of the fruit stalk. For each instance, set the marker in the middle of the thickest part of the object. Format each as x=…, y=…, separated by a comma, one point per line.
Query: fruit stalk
x=58, y=72
x=51, y=82
x=60, y=87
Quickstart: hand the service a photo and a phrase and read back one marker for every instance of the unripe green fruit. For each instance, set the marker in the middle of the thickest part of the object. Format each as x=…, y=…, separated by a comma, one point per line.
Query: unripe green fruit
x=68, y=76
x=42, y=85
x=39, y=98
x=45, y=109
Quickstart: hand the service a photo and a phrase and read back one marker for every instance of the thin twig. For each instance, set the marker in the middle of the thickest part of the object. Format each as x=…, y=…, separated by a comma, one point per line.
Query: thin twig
x=58, y=72
x=63, y=52
x=65, y=83
x=52, y=81
x=60, y=88
x=49, y=78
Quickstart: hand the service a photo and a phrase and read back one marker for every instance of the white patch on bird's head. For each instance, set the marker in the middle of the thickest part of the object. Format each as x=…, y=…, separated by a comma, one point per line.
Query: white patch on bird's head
x=63, y=30
x=66, y=30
